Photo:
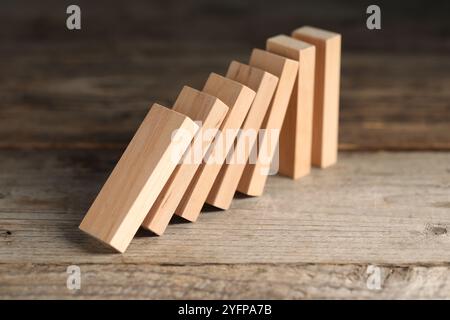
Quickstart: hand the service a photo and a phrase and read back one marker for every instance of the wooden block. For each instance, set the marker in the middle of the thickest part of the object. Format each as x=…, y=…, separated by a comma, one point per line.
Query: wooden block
x=326, y=93
x=139, y=177
x=264, y=84
x=296, y=133
x=210, y=112
x=239, y=99
x=254, y=177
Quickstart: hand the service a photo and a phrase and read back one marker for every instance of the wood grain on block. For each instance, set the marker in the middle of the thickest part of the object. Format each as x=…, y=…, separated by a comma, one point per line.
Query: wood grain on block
x=238, y=98
x=210, y=112
x=255, y=174
x=139, y=176
x=326, y=93
x=296, y=133
x=264, y=84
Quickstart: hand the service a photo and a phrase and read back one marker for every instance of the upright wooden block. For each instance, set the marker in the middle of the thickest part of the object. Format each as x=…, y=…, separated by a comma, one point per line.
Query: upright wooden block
x=254, y=177
x=210, y=112
x=239, y=99
x=264, y=84
x=139, y=177
x=326, y=93
x=296, y=133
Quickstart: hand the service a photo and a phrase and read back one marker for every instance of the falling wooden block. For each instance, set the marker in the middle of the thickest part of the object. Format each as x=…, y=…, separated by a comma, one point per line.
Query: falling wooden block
x=255, y=174
x=326, y=93
x=139, y=177
x=210, y=112
x=296, y=133
x=239, y=99
x=264, y=84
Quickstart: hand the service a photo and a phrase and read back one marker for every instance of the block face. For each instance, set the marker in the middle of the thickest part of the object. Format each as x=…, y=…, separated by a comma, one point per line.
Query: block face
x=210, y=111
x=264, y=84
x=296, y=133
x=239, y=99
x=254, y=177
x=138, y=177
x=326, y=93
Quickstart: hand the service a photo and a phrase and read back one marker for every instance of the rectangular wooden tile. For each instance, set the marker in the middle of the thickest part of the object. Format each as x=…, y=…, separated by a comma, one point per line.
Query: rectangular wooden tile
x=139, y=177
x=296, y=133
x=255, y=174
x=209, y=113
x=264, y=84
x=326, y=93
x=239, y=99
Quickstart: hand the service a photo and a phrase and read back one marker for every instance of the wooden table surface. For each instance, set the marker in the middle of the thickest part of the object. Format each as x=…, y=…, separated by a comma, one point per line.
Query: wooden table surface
x=70, y=102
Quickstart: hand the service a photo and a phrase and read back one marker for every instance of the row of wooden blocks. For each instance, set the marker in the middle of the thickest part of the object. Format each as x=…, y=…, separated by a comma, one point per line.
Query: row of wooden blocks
x=292, y=88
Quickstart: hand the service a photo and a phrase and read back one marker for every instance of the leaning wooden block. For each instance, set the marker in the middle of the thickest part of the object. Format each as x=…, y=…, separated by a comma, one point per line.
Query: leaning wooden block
x=255, y=174
x=264, y=84
x=296, y=133
x=210, y=112
x=239, y=99
x=139, y=177
x=326, y=93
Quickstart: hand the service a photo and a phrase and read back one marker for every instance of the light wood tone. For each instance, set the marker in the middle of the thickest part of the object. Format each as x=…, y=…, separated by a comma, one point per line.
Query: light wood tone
x=366, y=209
x=138, y=177
x=239, y=99
x=340, y=219
x=326, y=93
x=296, y=133
x=264, y=84
x=254, y=179
x=51, y=169
x=210, y=111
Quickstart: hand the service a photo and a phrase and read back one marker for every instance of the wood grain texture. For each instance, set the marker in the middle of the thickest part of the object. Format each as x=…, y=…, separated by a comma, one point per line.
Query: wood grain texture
x=389, y=208
x=239, y=99
x=264, y=84
x=228, y=21
x=102, y=105
x=326, y=93
x=208, y=112
x=296, y=133
x=255, y=174
x=139, y=176
x=215, y=281
x=71, y=101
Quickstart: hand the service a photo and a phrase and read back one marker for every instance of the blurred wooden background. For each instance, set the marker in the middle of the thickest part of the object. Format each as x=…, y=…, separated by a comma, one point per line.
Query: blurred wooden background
x=71, y=100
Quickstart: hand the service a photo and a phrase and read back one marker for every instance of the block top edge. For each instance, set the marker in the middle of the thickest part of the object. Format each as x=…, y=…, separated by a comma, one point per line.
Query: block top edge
x=316, y=33
x=290, y=42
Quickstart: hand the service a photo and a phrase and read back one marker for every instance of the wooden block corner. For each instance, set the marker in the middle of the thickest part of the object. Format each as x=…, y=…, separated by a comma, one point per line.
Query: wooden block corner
x=264, y=84
x=209, y=112
x=296, y=134
x=326, y=93
x=254, y=177
x=238, y=98
x=139, y=176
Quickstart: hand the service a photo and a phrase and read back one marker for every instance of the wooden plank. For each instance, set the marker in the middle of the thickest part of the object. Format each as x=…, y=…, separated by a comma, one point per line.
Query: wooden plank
x=326, y=93
x=210, y=112
x=296, y=133
x=239, y=99
x=227, y=24
x=138, y=177
x=89, y=94
x=366, y=209
x=254, y=281
x=255, y=174
x=115, y=93
x=215, y=281
x=264, y=84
